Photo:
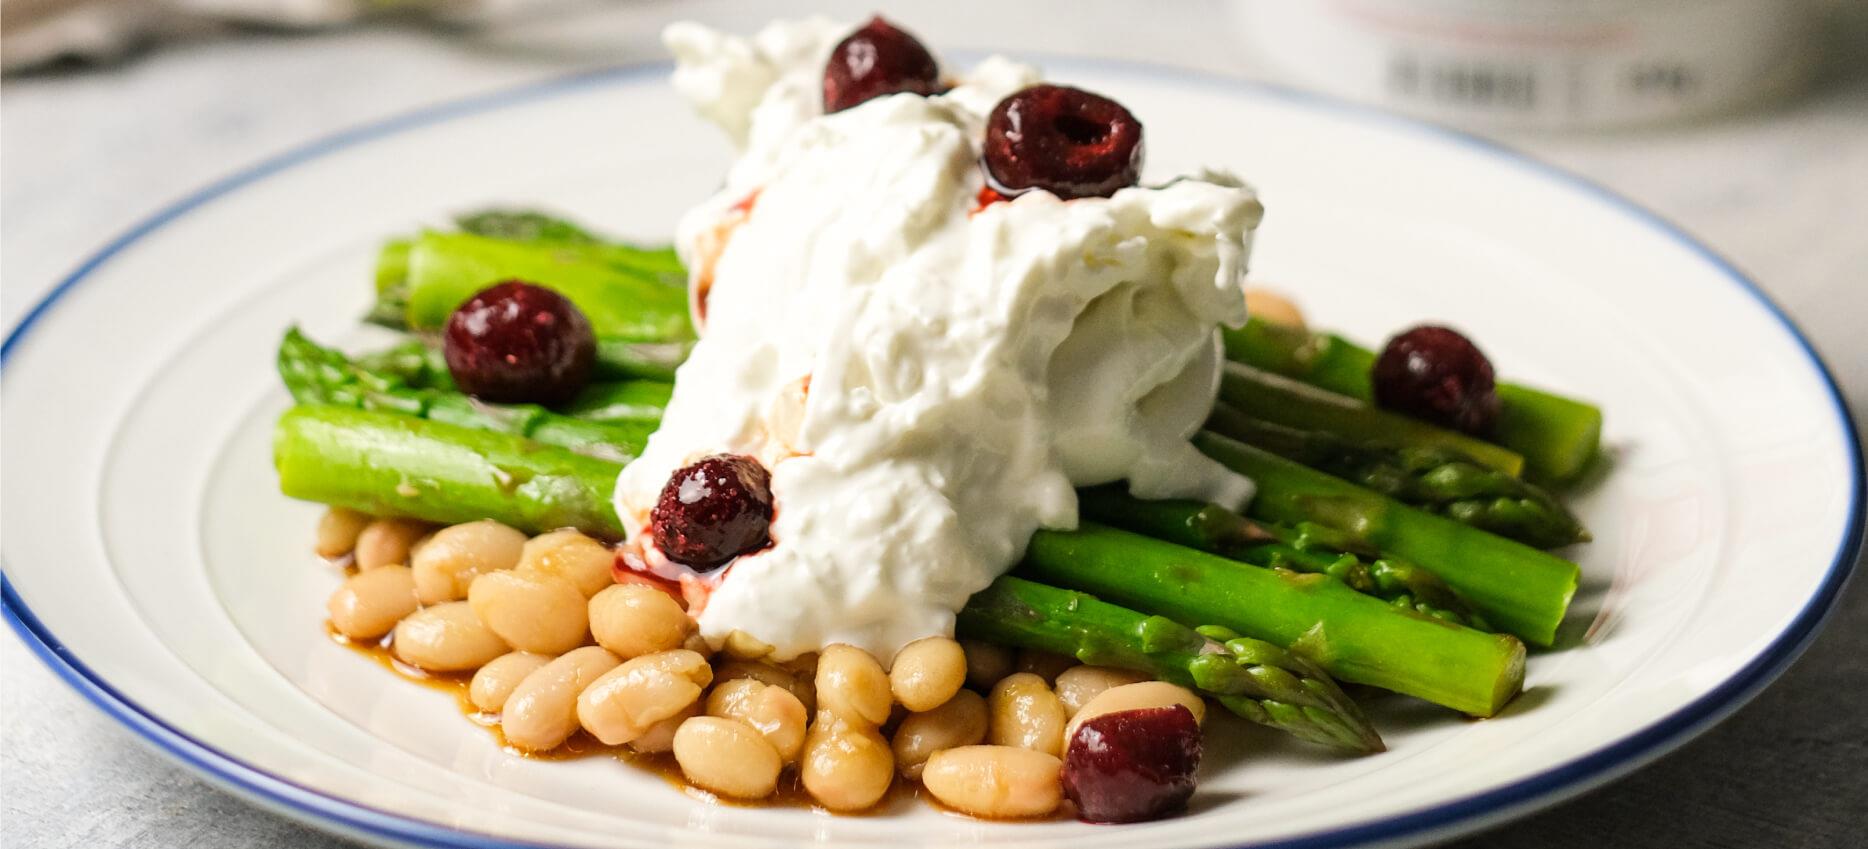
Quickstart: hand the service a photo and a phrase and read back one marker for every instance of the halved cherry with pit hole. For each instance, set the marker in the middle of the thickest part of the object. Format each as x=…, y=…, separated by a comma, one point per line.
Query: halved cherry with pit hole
x=1066, y=141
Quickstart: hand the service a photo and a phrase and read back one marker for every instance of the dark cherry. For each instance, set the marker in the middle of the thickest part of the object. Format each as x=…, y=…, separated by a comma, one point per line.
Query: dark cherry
x=1066, y=141
x=516, y=342
x=876, y=60
x=1434, y=373
x=1133, y=765
x=713, y=511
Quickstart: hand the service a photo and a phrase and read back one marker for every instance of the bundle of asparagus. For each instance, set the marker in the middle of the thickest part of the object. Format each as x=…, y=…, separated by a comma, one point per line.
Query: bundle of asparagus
x=1558, y=437
x=1380, y=550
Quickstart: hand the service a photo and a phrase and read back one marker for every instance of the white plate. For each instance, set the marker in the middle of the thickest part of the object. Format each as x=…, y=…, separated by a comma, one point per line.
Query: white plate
x=152, y=563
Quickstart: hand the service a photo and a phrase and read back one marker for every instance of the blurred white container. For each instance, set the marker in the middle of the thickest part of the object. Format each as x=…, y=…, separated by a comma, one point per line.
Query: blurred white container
x=1539, y=63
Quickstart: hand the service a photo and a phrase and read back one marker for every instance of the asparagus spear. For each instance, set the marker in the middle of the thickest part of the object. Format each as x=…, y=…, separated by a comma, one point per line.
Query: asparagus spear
x=1252, y=678
x=421, y=366
x=1353, y=636
x=621, y=359
x=1305, y=547
x=1288, y=402
x=648, y=345
x=318, y=375
x=525, y=225
x=1323, y=360
x=413, y=362
x=1433, y=479
x=623, y=304
x=1558, y=437
x=637, y=401
x=389, y=464
x=561, y=237
x=1518, y=588
x=532, y=226
x=391, y=307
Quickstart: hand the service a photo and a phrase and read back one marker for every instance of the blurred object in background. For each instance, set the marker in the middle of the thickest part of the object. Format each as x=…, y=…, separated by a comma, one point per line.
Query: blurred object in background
x=1545, y=64
x=40, y=32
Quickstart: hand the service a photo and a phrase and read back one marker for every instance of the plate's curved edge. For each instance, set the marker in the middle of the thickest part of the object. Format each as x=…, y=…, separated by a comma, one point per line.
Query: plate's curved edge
x=1472, y=812
x=224, y=770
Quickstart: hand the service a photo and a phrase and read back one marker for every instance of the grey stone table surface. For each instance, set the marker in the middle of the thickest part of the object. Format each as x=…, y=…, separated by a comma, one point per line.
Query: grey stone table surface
x=1782, y=192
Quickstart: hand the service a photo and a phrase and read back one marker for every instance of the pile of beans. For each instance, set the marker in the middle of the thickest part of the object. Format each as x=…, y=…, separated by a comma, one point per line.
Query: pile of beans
x=555, y=646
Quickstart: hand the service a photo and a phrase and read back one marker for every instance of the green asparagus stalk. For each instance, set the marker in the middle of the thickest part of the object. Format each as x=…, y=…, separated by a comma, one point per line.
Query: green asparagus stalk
x=1434, y=479
x=1323, y=360
x=315, y=374
x=524, y=225
x=1353, y=636
x=390, y=464
x=1517, y=588
x=635, y=401
x=420, y=363
x=421, y=366
x=413, y=362
x=391, y=307
x=1290, y=403
x=1252, y=678
x=562, y=238
x=532, y=226
x=607, y=275
x=1558, y=437
x=1305, y=547
x=622, y=304
x=620, y=359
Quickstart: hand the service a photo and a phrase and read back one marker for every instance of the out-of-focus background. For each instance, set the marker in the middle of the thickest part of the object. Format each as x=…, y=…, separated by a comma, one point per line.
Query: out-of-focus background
x=1743, y=121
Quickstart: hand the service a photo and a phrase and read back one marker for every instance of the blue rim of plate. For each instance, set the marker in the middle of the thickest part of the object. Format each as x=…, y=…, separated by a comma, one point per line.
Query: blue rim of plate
x=1460, y=815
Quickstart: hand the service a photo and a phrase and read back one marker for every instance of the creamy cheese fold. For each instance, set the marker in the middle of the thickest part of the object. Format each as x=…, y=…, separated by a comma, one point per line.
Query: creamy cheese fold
x=926, y=379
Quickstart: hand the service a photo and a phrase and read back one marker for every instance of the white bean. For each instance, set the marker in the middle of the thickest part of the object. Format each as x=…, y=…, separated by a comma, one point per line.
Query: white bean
x=927, y=672
x=1077, y=685
x=338, y=529
x=627, y=700
x=851, y=683
x=495, y=681
x=772, y=710
x=962, y=721
x=632, y=620
x=1272, y=307
x=447, y=564
x=369, y=604
x=727, y=757
x=531, y=612
x=385, y=542
x=846, y=765
x=446, y=638
x=1026, y=714
x=541, y=713
x=995, y=782
x=570, y=555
